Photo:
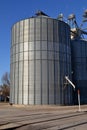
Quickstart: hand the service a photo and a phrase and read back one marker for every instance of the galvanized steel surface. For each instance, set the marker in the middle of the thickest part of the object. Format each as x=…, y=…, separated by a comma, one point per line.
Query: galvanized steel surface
x=40, y=59
x=79, y=66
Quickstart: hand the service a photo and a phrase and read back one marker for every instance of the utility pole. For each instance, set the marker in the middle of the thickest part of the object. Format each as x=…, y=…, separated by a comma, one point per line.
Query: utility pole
x=79, y=100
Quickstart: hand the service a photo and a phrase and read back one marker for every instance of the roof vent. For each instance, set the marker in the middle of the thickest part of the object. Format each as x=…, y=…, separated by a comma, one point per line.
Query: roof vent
x=40, y=13
x=60, y=17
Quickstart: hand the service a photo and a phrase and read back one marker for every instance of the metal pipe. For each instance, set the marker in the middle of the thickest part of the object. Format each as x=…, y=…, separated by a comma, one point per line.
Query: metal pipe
x=66, y=77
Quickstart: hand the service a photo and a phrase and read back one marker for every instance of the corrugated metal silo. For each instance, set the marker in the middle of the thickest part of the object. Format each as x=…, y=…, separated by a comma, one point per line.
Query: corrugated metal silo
x=40, y=59
x=79, y=66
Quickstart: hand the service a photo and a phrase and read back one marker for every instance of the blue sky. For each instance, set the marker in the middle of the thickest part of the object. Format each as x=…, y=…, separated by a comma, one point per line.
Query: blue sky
x=12, y=11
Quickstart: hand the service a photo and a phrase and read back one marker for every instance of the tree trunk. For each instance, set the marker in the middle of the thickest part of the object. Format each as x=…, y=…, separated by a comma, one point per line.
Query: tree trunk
x=5, y=99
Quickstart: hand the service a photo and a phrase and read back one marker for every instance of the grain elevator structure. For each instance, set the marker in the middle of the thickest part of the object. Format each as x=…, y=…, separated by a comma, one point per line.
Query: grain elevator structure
x=42, y=54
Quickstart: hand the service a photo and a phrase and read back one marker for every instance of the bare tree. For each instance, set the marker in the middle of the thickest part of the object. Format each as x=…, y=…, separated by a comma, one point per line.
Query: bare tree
x=6, y=79
x=5, y=85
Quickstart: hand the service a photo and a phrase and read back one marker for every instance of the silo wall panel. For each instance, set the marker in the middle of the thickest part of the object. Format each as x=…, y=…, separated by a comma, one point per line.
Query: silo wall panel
x=44, y=82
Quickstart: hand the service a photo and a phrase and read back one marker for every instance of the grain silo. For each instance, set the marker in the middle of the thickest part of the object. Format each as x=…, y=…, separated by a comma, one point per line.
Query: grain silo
x=79, y=66
x=40, y=59
x=79, y=57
